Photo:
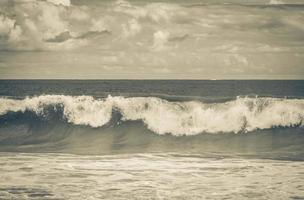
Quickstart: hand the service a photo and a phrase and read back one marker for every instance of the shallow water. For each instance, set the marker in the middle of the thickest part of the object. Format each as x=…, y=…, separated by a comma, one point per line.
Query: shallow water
x=151, y=140
x=147, y=176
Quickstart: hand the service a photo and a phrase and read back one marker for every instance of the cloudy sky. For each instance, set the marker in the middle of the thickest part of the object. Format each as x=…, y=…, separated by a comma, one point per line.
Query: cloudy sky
x=173, y=39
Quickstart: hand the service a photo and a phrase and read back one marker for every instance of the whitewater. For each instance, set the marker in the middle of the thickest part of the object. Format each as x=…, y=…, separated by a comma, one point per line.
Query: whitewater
x=244, y=114
x=145, y=139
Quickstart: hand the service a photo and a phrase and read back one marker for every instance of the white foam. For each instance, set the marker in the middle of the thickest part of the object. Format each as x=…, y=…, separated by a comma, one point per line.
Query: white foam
x=276, y=2
x=177, y=118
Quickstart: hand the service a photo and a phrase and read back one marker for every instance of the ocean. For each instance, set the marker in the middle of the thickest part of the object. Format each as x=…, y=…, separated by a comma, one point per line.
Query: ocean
x=151, y=139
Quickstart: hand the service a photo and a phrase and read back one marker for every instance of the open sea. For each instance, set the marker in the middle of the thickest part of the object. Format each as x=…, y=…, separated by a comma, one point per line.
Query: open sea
x=151, y=139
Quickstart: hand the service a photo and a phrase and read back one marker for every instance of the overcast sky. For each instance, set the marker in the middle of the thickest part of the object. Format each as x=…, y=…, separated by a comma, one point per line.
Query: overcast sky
x=191, y=39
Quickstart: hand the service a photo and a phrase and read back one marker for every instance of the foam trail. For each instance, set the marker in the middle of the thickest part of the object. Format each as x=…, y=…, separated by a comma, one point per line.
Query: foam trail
x=161, y=116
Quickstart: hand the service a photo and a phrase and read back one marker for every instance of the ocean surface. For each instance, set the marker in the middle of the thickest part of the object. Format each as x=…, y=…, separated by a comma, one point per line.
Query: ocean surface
x=151, y=139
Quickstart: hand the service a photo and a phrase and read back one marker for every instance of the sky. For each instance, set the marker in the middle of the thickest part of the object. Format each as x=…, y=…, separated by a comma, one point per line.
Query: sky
x=165, y=39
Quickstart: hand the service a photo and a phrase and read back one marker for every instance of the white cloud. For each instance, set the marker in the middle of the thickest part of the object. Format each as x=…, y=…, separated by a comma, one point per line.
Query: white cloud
x=131, y=28
x=50, y=21
x=6, y=24
x=276, y=2
x=98, y=25
x=79, y=14
x=123, y=3
x=153, y=11
x=160, y=38
x=60, y=2
x=230, y=48
x=34, y=23
x=155, y=35
x=9, y=30
x=235, y=60
x=162, y=11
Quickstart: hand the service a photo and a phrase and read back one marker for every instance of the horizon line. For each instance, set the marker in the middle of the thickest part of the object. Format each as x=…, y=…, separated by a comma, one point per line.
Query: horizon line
x=139, y=79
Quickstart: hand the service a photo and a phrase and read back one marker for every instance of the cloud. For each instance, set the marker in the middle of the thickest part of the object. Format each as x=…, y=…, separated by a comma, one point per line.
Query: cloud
x=276, y=2
x=78, y=14
x=60, y=37
x=160, y=38
x=153, y=11
x=236, y=60
x=6, y=25
x=230, y=48
x=98, y=25
x=41, y=25
x=179, y=38
x=131, y=28
x=177, y=35
x=50, y=22
x=60, y=2
x=9, y=31
x=32, y=23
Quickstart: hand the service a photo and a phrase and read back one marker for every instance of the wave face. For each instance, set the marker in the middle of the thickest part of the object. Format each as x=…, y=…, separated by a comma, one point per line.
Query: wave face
x=243, y=114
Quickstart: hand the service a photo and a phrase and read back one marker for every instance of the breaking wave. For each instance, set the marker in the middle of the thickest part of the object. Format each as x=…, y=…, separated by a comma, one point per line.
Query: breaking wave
x=243, y=114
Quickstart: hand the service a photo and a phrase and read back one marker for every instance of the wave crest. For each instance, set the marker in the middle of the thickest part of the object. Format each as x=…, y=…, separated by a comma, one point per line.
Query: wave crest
x=161, y=116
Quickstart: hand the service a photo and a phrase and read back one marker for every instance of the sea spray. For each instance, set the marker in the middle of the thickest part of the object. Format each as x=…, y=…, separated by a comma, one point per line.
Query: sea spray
x=161, y=116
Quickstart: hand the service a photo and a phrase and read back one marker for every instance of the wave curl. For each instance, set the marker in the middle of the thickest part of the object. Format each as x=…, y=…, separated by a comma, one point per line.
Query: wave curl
x=161, y=116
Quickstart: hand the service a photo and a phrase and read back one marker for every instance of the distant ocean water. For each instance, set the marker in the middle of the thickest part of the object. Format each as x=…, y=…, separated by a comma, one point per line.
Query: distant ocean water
x=151, y=139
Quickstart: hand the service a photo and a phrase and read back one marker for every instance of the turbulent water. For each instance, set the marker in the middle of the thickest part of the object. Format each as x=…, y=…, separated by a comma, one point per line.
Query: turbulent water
x=151, y=139
x=161, y=116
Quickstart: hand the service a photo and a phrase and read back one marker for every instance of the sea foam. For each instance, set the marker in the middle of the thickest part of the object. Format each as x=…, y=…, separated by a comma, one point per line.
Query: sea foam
x=243, y=114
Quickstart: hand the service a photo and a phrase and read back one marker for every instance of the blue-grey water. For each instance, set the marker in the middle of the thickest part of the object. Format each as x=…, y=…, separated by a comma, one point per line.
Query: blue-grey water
x=151, y=139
